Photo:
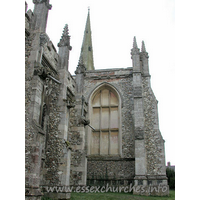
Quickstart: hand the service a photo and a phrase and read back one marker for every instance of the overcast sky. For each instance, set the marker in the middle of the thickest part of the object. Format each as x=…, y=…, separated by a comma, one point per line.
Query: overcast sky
x=114, y=24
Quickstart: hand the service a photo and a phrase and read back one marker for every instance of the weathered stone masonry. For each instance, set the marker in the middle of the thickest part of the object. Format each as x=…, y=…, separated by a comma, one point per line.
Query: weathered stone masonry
x=99, y=168
x=153, y=140
x=60, y=115
x=48, y=103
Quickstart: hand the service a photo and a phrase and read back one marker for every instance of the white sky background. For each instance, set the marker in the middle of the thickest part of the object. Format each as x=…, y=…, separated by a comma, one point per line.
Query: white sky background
x=114, y=24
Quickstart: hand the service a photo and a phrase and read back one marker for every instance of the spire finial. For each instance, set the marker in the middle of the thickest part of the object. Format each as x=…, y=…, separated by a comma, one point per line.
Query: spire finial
x=135, y=50
x=88, y=9
x=143, y=47
x=134, y=43
x=66, y=30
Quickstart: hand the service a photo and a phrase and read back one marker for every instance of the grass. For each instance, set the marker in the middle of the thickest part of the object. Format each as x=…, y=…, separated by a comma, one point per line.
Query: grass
x=118, y=196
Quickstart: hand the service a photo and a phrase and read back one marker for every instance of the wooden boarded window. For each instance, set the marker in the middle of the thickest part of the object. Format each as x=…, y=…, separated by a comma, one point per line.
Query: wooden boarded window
x=105, y=120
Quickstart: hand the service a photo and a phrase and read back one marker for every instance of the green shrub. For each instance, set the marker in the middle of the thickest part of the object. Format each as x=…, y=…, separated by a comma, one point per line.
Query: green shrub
x=46, y=198
x=171, y=178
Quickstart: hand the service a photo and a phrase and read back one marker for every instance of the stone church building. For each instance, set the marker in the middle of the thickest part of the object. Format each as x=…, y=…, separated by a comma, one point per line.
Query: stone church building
x=96, y=127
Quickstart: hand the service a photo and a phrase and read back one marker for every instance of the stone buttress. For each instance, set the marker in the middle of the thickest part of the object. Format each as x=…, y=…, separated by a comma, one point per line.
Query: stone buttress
x=37, y=97
x=78, y=122
x=149, y=145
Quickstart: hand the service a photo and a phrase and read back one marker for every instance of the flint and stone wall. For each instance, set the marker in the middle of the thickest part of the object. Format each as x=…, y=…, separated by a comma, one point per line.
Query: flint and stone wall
x=33, y=146
x=56, y=132
x=47, y=151
x=115, y=170
x=154, y=142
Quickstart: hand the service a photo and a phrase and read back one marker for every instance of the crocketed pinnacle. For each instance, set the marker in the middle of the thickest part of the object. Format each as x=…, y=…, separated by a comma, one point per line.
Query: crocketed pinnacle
x=66, y=30
x=143, y=50
x=135, y=50
x=65, y=38
x=134, y=43
x=80, y=62
x=143, y=47
x=81, y=67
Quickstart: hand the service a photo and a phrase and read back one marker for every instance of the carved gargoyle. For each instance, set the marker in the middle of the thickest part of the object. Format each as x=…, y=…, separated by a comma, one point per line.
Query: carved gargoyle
x=84, y=121
x=70, y=103
x=40, y=71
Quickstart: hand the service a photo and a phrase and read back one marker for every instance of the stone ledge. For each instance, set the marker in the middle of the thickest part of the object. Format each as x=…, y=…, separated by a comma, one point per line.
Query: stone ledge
x=110, y=69
x=157, y=177
x=108, y=158
x=140, y=177
x=110, y=179
x=33, y=192
x=102, y=77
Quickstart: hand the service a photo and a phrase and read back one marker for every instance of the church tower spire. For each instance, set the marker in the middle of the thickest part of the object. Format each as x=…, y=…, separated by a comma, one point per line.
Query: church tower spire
x=87, y=50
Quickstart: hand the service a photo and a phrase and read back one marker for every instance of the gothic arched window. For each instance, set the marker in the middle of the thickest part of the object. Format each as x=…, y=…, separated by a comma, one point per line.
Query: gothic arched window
x=105, y=119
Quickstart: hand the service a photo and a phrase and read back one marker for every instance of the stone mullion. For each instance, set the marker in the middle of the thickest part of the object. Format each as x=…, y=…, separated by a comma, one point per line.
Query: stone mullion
x=118, y=129
x=100, y=132
x=109, y=134
x=100, y=128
